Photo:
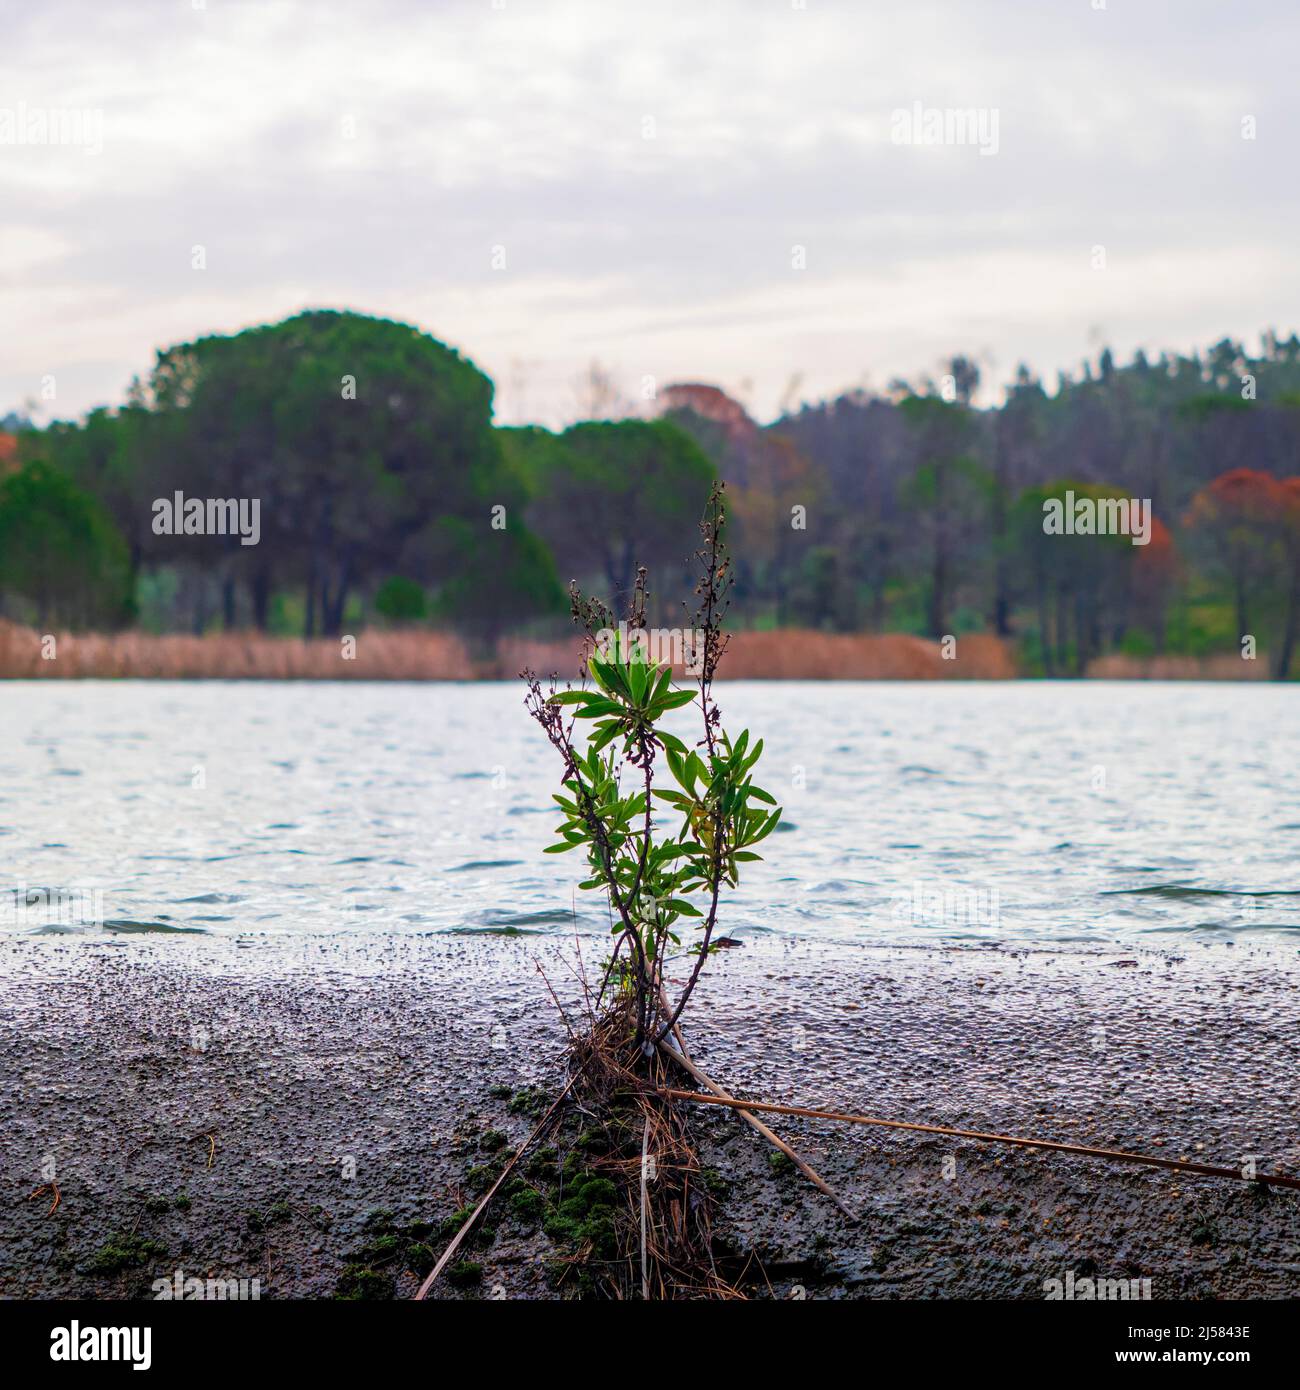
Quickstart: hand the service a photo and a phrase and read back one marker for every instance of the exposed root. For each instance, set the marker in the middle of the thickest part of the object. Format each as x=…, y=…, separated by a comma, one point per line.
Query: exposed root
x=630, y=1211
x=664, y=1225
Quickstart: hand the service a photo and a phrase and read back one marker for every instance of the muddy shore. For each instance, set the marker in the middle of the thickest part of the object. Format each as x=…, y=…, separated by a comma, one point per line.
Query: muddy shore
x=245, y=1110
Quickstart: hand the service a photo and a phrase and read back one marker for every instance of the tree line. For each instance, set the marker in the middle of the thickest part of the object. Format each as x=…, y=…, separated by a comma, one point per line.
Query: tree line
x=387, y=495
x=930, y=512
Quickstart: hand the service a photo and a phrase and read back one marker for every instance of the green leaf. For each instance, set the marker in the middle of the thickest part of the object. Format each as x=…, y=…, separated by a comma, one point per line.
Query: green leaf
x=598, y=671
x=598, y=707
x=767, y=829
x=572, y=697
x=673, y=798
x=675, y=765
x=675, y=699
x=683, y=908
x=607, y=733
x=610, y=676
x=559, y=849
x=637, y=677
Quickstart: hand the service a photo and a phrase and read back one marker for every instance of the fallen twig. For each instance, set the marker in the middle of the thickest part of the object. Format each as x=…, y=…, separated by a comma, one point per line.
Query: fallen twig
x=679, y=1054
x=57, y=1197
x=1179, y=1164
x=490, y=1193
x=645, y=1150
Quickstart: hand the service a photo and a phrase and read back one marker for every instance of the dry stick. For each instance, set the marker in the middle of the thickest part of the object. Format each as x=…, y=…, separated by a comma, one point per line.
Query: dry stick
x=1182, y=1165
x=645, y=1149
x=491, y=1192
x=724, y=1098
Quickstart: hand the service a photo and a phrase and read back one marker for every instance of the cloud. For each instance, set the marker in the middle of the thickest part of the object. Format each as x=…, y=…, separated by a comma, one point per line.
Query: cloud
x=648, y=171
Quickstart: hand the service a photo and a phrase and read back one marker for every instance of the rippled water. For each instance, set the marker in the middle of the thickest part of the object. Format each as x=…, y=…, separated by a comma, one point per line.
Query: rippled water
x=914, y=812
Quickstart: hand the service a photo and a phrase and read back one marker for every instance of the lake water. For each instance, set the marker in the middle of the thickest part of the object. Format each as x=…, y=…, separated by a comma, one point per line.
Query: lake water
x=1016, y=812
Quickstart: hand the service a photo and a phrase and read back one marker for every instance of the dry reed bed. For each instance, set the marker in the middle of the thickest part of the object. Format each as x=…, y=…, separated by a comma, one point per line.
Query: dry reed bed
x=799, y=654
x=785, y=654
x=1178, y=668
x=415, y=656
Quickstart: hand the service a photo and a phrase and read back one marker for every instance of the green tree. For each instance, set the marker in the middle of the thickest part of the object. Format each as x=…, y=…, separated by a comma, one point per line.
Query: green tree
x=949, y=497
x=353, y=432
x=401, y=600
x=499, y=578
x=1081, y=585
x=60, y=550
x=605, y=493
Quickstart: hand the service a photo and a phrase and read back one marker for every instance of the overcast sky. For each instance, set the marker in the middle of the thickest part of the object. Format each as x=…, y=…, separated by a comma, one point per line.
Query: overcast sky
x=647, y=169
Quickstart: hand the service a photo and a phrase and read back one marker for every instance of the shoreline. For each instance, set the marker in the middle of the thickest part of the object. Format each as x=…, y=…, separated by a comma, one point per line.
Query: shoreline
x=373, y=655
x=199, y=1108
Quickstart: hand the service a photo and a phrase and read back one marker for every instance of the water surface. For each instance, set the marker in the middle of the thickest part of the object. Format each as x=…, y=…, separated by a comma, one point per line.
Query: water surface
x=1011, y=812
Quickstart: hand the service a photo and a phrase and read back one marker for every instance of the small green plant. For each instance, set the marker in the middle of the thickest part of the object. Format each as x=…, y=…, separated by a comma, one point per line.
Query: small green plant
x=655, y=875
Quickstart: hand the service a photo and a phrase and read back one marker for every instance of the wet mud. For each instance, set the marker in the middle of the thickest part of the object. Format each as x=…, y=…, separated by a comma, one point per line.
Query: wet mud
x=309, y=1116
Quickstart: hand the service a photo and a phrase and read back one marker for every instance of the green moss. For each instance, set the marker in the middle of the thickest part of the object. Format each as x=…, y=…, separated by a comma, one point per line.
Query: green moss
x=780, y=1163
x=491, y=1140
x=275, y=1214
x=465, y=1274
x=482, y=1176
x=529, y=1101
x=597, y=1192
x=527, y=1206
x=124, y=1252
x=714, y=1183
x=543, y=1165
x=454, y=1222
x=358, y=1283
x=499, y=1092
x=390, y=1246
x=585, y=1215
x=182, y=1203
